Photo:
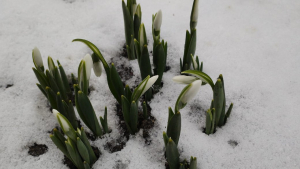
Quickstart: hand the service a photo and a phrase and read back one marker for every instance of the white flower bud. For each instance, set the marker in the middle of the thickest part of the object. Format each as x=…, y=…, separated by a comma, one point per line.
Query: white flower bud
x=157, y=21
x=149, y=83
x=181, y=79
x=51, y=65
x=97, y=68
x=191, y=92
x=37, y=58
x=62, y=121
x=65, y=125
x=195, y=11
x=88, y=65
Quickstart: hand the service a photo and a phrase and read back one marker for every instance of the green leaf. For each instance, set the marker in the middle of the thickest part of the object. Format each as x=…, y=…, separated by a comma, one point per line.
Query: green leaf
x=165, y=45
x=218, y=100
x=41, y=77
x=59, y=135
x=128, y=24
x=174, y=127
x=228, y=112
x=116, y=81
x=126, y=112
x=79, y=110
x=133, y=117
x=60, y=145
x=181, y=68
x=64, y=79
x=59, y=83
x=71, y=115
x=145, y=66
x=60, y=106
x=171, y=114
x=51, y=65
x=192, y=47
x=136, y=23
x=213, y=125
x=222, y=117
x=172, y=154
x=86, y=165
x=89, y=114
x=74, y=80
x=51, y=97
x=208, y=122
x=83, y=150
x=186, y=57
x=85, y=81
x=104, y=122
x=127, y=92
x=81, y=134
x=201, y=75
x=42, y=90
x=166, y=138
x=137, y=51
x=71, y=147
x=160, y=55
x=53, y=84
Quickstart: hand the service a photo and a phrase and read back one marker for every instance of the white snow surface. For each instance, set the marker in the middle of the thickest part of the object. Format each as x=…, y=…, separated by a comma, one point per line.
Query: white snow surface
x=254, y=44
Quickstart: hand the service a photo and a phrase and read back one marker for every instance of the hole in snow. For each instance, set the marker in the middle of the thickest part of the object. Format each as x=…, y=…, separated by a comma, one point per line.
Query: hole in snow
x=167, y=68
x=37, y=149
x=233, y=143
x=9, y=85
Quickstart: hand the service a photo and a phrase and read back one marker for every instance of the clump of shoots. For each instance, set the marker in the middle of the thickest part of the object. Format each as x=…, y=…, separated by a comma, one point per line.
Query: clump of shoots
x=76, y=146
x=54, y=84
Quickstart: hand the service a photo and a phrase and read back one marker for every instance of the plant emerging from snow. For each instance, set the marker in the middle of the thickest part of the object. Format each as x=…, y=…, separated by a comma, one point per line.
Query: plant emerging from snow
x=216, y=115
x=159, y=52
x=132, y=19
x=171, y=137
x=160, y=48
x=124, y=96
x=190, y=39
x=76, y=146
x=130, y=103
x=54, y=84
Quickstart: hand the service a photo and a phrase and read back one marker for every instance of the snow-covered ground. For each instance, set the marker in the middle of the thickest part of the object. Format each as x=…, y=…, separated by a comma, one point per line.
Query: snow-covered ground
x=254, y=44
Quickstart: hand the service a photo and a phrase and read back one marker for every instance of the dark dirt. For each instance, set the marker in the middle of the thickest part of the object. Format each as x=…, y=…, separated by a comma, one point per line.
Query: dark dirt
x=9, y=85
x=125, y=72
x=167, y=68
x=145, y=124
x=37, y=149
x=233, y=143
x=124, y=52
x=69, y=163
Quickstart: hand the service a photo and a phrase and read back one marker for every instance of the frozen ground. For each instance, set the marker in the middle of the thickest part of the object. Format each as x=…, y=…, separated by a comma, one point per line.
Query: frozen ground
x=254, y=44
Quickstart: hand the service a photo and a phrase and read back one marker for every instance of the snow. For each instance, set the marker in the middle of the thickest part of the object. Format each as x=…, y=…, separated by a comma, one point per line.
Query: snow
x=254, y=44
